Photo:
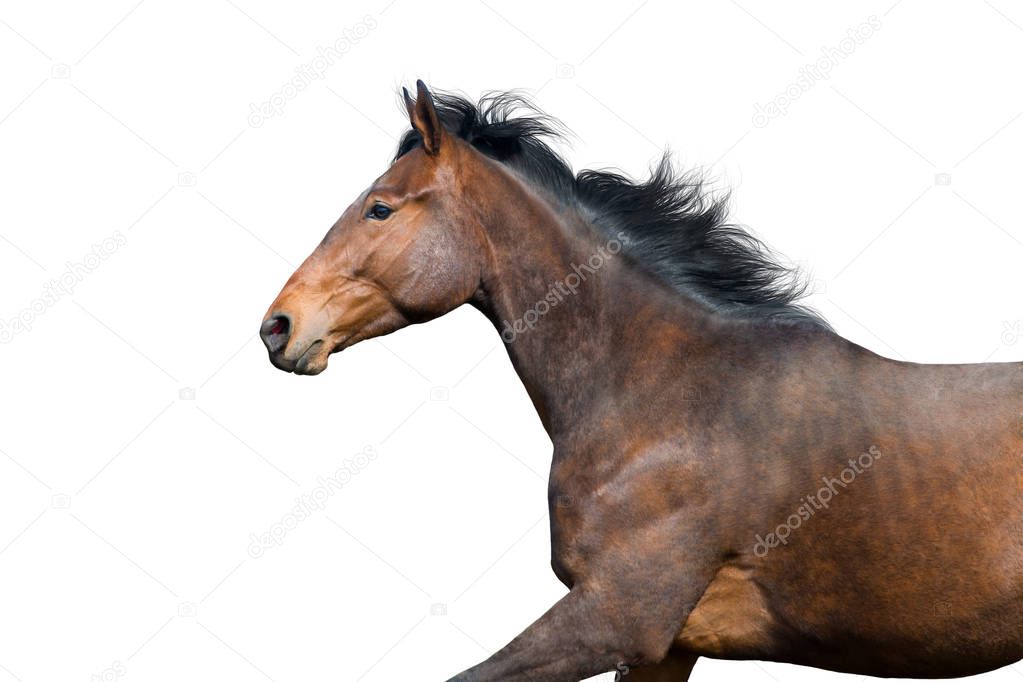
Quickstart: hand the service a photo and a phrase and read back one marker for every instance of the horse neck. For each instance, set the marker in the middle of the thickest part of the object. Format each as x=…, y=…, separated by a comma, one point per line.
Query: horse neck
x=575, y=314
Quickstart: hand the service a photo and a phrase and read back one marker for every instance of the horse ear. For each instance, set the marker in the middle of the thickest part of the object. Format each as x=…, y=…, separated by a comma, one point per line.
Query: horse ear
x=423, y=115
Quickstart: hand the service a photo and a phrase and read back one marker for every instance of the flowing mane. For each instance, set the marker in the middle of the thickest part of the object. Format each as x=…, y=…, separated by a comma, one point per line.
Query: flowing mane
x=676, y=229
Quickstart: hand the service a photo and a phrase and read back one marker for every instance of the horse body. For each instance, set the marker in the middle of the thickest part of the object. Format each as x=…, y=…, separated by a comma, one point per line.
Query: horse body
x=913, y=568
x=723, y=484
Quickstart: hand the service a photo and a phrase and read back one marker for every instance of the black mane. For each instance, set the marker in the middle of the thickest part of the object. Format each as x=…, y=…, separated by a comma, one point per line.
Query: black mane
x=674, y=227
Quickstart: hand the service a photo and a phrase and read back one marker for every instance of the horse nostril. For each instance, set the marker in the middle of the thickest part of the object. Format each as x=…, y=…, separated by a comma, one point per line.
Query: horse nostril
x=275, y=331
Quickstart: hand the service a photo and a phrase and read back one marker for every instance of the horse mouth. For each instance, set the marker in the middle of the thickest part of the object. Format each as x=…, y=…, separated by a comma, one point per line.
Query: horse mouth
x=308, y=363
x=313, y=359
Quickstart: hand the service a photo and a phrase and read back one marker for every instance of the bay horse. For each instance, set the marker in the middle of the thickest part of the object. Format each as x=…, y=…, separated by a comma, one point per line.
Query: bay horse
x=730, y=477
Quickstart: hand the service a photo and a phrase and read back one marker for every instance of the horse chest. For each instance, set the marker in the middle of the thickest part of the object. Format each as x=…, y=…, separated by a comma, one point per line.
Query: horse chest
x=568, y=553
x=593, y=526
x=582, y=523
x=596, y=509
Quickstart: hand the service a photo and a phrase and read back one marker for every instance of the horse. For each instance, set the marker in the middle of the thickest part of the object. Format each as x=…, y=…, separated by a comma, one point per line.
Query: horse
x=730, y=478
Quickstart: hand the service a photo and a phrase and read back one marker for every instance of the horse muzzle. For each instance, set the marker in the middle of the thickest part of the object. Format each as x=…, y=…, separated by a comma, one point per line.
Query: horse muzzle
x=289, y=354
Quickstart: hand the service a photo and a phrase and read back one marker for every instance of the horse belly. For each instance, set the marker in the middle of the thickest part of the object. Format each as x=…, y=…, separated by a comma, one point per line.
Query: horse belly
x=734, y=619
x=731, y=619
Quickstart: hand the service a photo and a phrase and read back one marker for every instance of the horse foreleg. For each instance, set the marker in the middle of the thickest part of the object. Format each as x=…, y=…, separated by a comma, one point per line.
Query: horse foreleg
x=574, y=640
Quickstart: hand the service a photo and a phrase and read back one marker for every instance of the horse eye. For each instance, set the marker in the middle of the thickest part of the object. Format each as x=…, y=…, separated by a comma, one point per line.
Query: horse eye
x=379, y=212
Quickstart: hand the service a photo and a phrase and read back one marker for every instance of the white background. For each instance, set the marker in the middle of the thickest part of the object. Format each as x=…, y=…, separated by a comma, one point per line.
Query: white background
x=127, y=510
